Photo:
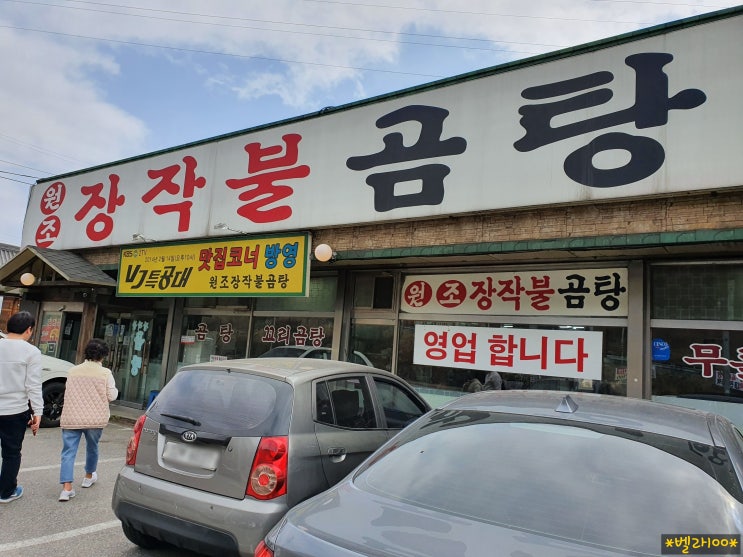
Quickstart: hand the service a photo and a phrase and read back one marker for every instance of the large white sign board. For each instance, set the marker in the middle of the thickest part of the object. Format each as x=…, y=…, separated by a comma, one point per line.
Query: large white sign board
x=652, y=116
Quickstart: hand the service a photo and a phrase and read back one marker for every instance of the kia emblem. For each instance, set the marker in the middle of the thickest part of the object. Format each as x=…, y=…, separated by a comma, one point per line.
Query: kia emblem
x=189, y=436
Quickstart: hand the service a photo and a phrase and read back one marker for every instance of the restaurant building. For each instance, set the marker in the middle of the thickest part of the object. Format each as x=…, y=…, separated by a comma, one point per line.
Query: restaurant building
x=573, y=221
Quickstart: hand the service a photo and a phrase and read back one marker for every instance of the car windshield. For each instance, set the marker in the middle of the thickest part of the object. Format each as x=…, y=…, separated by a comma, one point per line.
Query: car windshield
x=602, y=486
x=227, y=403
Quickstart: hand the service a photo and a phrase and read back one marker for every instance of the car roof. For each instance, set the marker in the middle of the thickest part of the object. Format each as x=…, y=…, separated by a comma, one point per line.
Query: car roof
x=631, y=413
x=291, y=370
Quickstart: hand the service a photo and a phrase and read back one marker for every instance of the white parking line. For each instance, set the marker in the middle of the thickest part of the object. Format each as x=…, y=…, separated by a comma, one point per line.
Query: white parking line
x=78, y=463
x=61, y=536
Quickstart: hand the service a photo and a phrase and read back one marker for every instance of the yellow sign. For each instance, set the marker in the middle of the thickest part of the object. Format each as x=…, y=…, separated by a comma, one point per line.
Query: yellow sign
x=251, y=266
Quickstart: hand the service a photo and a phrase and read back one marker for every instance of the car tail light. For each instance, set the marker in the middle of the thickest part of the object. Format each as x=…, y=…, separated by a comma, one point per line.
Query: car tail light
x=262, y=550
x=133, y=445
x=268, y=473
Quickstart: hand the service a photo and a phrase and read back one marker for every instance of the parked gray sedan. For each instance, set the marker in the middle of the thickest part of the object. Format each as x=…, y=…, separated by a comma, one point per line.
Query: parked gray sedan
x=525, y=473
x=227, y=447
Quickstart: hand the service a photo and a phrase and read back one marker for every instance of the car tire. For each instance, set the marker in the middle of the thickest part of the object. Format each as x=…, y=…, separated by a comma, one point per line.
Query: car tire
x=53, y=394
x=138, y=538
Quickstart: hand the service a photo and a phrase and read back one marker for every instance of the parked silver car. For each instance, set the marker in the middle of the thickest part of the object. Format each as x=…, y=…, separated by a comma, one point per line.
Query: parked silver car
x=532, y=473
x=227, y=447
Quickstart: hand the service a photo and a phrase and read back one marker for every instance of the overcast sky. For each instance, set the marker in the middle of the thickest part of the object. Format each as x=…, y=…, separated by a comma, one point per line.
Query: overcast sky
x=84, y=83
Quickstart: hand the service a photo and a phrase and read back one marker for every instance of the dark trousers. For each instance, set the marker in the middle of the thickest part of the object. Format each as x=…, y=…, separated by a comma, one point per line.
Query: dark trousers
x=12, y=430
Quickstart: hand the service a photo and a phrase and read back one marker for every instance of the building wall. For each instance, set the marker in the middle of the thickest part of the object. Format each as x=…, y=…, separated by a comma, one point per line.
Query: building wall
x=653, y=215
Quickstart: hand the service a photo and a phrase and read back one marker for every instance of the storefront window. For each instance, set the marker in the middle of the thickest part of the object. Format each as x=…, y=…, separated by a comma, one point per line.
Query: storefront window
x=441, y=383
x=219, y=302
x=322, y=298
x=699, y=368
x=372, y=345
x=697, y=337
x=49, y=339
x=308, y=337
x=209, y=338
x=700, y=292
x=373, y=291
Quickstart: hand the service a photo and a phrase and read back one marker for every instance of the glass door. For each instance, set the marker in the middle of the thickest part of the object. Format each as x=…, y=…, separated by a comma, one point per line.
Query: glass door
x=135, y=342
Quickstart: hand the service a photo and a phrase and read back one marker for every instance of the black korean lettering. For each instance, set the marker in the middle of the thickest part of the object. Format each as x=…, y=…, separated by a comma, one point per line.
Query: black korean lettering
x=132, y=272
x=431, y=193
x=610, y=287
x=536, y=118
x=575, y=293
x=646, y=157
x=650, y=109
x=652, y=103
x=429, y=142
x=428, y=145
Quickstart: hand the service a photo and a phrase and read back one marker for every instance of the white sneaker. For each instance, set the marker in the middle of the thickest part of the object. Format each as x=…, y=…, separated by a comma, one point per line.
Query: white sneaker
x=87, y=482
x=66, y=495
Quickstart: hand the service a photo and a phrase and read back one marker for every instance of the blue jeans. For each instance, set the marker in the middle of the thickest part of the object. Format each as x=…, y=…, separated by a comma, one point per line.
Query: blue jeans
x=12, y=431
x=70, y=442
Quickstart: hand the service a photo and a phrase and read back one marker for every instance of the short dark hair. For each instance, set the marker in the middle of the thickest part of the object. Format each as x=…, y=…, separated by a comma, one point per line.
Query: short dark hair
x=20, y=322
x=96, y=350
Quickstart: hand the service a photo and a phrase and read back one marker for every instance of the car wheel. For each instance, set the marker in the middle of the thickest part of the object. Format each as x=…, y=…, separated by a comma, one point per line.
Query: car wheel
x=138, y=538
x=53, y=394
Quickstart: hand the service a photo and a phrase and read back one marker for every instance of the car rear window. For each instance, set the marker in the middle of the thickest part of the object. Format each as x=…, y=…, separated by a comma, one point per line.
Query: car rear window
x=226, y=403
x=603, y=486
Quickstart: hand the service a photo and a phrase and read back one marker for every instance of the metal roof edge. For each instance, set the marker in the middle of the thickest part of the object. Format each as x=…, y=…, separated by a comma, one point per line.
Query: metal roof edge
x=67, y=264
x=447, y=81
x=72, y=267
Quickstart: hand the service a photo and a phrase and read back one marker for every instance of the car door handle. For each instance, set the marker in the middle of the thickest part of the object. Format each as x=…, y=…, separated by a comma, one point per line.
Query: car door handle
x=337, y=454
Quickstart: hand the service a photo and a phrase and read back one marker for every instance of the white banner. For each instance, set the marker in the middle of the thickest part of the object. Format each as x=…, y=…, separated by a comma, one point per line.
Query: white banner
x=651, y=116
x=582, y=292
x=571, y=354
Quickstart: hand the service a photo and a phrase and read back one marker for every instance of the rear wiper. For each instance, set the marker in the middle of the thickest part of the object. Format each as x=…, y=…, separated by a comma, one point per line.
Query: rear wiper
x=182, y=418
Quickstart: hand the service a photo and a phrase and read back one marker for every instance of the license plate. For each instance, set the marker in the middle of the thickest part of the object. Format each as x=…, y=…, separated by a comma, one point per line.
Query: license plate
x=191, y=455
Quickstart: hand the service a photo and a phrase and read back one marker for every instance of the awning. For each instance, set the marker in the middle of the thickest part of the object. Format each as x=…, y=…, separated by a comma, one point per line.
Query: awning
x=51, y=267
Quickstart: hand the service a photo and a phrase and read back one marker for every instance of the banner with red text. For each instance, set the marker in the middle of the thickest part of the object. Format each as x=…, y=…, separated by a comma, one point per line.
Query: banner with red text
x=573, y=354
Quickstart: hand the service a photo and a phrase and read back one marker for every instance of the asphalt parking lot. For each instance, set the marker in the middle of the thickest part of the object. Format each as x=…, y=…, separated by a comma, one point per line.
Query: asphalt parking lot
x=38, y=525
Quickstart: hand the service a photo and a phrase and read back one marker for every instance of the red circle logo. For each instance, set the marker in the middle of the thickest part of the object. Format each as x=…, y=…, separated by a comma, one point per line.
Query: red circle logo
x=52, y=198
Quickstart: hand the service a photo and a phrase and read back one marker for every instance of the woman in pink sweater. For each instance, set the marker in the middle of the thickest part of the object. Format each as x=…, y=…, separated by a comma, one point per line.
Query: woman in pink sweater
x=90, y=387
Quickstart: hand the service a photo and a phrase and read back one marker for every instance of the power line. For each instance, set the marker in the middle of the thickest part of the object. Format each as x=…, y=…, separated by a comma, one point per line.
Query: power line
x=16, y=174
x=302, y=25
x=393, y=7
x=659, y=3
x=22, y=166
x=273, y=22
x=464, y=12
x=14, y=180
x=197, y=51
x=40, y=149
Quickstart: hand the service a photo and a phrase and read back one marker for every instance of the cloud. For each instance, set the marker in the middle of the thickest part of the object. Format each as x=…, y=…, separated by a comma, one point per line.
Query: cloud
x=55, y=118
x=54, y=109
